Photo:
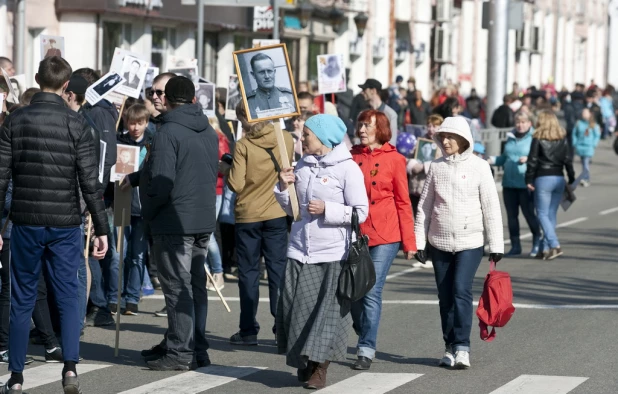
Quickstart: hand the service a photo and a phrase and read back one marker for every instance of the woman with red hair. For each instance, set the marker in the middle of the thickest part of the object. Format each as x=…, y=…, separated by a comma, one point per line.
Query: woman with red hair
x=390, y=224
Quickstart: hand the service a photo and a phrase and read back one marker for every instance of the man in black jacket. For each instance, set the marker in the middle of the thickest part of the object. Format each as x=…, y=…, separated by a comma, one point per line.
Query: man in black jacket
x=178, y=194
x=504, y=116
x=48, y=151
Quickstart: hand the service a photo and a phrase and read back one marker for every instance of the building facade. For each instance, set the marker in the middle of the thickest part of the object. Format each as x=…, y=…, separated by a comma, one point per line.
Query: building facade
x=435, y=41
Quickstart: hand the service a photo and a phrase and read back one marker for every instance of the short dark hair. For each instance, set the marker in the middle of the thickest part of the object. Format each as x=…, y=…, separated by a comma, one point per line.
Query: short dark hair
x=305, y=96
x=54, y=72
x=3, y=86
x=88, y=74
x=161, y=76
x=258, y=57
x=136, y=61
x=27, y=95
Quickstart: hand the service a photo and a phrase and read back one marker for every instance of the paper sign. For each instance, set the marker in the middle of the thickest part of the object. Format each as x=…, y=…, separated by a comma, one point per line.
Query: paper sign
x=12, y=94
x=205, y=96
x=52, y=46
x=103, y=87
x=122, y=204
x=150, y=76
x=103, y=146
x=127, y=162
x=19, y=84
x=2, y=97
x=331, y=74
x=257, y=42
x=233, y=98
x=118, y=59
x=134, y=73
x=188, y=72
x=180, y=62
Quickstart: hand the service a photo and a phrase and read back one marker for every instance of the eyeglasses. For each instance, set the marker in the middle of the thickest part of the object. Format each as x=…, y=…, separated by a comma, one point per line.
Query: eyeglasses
x=159, y=93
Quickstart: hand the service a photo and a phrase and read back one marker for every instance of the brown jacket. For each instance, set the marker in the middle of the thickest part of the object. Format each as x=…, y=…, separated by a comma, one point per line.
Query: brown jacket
x=253, y=175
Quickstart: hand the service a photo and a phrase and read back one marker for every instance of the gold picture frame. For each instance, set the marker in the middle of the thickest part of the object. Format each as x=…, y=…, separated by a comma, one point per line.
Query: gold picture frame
x=286, y=96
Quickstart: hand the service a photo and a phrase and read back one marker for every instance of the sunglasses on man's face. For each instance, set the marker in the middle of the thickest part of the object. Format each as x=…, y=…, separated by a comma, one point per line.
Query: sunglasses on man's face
x=159, y=93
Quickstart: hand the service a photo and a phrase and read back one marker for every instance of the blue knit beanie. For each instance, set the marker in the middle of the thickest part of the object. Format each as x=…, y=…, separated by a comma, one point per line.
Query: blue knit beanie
x=328, y=128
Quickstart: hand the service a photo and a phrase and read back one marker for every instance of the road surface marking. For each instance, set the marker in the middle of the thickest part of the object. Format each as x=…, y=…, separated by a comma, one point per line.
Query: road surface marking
x=608, y=211
x=196, y=381
x=540, y=385
x=49, y=373
x=370, y=383
x=565, y=224
x=400, y=273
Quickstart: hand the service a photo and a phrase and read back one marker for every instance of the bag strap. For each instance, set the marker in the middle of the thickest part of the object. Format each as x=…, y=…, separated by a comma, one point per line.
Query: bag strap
x=485, y=334
x=272, y=157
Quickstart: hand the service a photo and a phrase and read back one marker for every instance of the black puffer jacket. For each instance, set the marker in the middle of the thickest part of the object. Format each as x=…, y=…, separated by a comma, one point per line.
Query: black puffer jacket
x=549, y=158
x=178, y=182
x=49, y=151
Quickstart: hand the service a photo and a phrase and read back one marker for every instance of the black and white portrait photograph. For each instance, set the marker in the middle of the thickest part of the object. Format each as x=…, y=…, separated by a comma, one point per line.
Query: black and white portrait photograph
x=188, y=72
x=127, y=162
x=151, y=73
x=104, y=86
x=426, y=150
x=134, y=73
x=331, y=74
x=266, y=82
x=205, y=96
x=233, y=98
x=51, y=46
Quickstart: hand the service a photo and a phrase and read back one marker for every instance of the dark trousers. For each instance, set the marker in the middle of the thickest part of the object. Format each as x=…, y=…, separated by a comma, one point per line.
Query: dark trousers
x=59, y=249
x=513, y=200
x=454, y=274
x=415, y=200
x=228, y=246
x=268, y=239
x=180, y=263
x=41, y=315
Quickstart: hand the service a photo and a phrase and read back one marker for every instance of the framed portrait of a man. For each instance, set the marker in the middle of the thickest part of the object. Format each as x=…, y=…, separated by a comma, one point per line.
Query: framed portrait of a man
x=426, y=150
x=266, y=83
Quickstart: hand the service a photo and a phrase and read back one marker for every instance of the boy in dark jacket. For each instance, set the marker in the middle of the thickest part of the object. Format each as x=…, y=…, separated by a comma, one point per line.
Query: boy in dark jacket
x=136, y=121
x=45, y=212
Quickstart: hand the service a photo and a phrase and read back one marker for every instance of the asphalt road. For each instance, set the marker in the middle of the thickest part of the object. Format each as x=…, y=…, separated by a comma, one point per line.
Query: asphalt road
x=560, y=340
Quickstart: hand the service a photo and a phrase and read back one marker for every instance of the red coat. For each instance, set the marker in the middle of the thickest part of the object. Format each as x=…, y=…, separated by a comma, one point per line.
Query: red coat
x=390, y=211
x=224, y=147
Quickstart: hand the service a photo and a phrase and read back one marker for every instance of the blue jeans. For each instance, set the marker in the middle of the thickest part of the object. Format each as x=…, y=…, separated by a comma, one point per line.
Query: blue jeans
x=137, y=246
x=513, y=199
x=59, y=249
x=104, y=285
x=454, y=274
x=366, y=311
x=214, y=255
x=585, y=168
x=547, y=196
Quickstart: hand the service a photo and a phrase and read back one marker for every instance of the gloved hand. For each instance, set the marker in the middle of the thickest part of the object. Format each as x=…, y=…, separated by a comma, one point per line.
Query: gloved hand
x=495, y=257
x=421, y=256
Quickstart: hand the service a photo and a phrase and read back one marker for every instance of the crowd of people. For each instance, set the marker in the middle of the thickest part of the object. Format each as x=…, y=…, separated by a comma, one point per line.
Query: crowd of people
x=206, y=201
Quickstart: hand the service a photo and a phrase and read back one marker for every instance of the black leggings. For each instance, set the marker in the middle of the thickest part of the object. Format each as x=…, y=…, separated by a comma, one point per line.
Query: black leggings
x=40, y=315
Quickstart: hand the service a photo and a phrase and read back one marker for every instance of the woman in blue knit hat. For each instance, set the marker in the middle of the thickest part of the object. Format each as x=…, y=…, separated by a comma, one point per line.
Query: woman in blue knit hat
x=312, y=327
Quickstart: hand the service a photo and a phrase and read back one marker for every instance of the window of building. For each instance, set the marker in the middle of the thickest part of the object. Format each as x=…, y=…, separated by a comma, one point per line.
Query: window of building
x=241, y=42
x=315, y=48
x=209, y=68
x=293, y=47
x=163, y=44
x=115, y=35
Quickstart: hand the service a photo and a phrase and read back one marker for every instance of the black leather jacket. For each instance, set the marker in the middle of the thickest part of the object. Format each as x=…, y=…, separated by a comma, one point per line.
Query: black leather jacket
x=548, y=158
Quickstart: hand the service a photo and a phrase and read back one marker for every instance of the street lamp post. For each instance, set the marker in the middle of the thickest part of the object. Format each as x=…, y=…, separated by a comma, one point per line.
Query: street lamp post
x=360, y=20
x=337, y=17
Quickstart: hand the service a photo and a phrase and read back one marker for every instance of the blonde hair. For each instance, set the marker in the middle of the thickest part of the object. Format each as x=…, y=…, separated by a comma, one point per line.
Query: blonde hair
x=435, y=120
x=548, y=127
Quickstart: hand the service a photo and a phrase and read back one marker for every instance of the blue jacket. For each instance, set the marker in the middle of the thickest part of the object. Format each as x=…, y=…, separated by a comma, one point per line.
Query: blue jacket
x=514, y=171
x=584, y=145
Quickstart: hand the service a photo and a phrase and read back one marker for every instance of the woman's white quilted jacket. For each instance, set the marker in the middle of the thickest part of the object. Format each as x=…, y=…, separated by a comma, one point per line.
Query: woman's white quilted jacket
x=458, y=202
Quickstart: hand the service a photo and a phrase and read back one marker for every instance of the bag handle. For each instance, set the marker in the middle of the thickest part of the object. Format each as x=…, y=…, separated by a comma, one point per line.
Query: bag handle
x=492, y=266
x=485, y=334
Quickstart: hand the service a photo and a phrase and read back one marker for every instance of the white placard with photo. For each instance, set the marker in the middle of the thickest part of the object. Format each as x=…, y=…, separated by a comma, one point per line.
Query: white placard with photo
x=19, y=84
x=134, y=73
x=180, y=62
x=188, y=72
x=331, y=74
x=51, y=46
x=104, y=86
x=233, y=98
x=103, y=151
x=118, y=59
x=258, y=42
x=151, y=74
x=127, y=162
x=12, y=94
x=205, y=96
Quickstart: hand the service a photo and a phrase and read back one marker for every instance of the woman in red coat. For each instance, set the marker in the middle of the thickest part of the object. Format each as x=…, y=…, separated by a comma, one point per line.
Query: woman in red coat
x=389, y=226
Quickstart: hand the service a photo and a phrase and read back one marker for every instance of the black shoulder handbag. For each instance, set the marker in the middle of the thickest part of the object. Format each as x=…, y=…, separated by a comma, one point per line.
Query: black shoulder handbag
x=358, y=275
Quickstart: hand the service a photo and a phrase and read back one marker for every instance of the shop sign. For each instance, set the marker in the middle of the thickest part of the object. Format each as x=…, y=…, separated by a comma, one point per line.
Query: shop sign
x=148, y=4
x=263, y=19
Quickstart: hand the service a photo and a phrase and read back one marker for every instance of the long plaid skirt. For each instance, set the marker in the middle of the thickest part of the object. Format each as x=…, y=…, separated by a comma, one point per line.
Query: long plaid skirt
x=312, y=323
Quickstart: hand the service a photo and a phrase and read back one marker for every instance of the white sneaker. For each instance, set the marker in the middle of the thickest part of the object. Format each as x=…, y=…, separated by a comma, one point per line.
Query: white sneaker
x=417, y=264
x=218, y=281
x=428, y=264
x=448, y=360
x=462, y=359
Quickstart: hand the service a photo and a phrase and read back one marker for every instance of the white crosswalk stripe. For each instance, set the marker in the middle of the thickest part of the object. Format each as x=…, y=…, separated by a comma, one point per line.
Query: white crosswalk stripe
x=195, y=381
x=49, y=373
x=372, y=383
x=539, y=384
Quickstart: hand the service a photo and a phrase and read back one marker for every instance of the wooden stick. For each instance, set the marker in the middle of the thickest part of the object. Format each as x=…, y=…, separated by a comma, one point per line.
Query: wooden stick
x=120, y=249
x=217, y=290
x=124, y=100
x=285, y=163
x=86, y=254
